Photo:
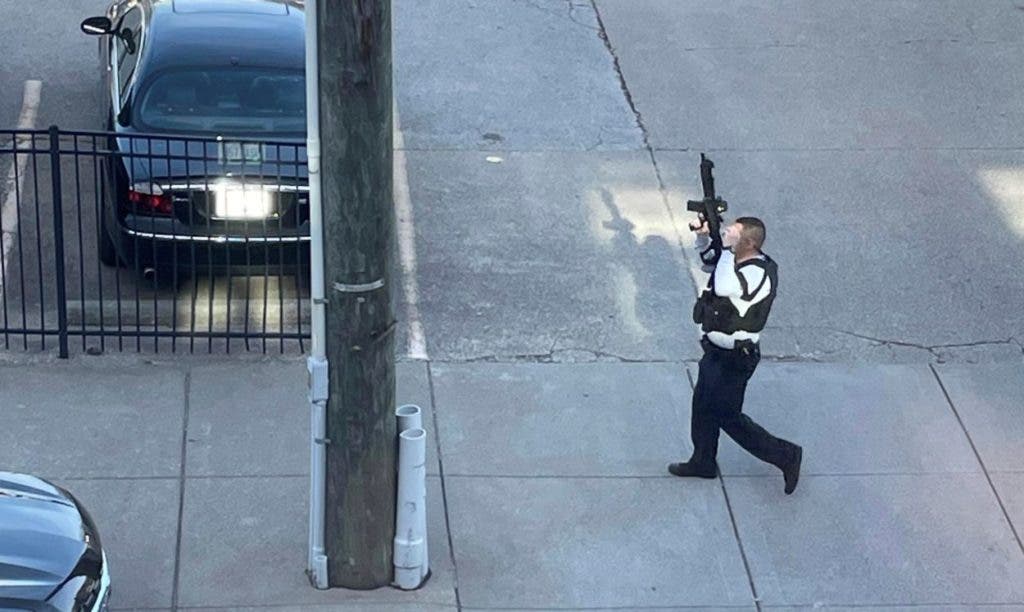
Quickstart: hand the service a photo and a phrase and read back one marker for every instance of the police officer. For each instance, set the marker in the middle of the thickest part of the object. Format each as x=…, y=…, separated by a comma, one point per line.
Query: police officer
x=732, y=311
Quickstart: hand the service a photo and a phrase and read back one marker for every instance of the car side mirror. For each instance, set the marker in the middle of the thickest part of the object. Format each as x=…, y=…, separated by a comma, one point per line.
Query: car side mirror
x=97, y=26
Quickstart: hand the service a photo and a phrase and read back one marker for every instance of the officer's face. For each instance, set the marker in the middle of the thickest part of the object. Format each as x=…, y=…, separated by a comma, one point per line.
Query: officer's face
x=731, y=235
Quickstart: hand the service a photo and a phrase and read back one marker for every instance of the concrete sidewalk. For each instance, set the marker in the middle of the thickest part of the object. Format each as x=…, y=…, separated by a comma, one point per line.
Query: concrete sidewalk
x=547, y=484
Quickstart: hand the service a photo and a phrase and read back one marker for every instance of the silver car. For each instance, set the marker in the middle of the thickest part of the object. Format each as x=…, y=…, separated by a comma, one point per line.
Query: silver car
x=51, y=557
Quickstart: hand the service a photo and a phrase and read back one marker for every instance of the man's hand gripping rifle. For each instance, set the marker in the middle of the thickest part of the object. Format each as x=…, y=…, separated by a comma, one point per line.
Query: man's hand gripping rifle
x=709, y=210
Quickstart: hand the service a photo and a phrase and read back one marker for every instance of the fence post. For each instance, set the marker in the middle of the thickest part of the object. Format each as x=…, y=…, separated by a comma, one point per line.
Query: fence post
x=58, y=240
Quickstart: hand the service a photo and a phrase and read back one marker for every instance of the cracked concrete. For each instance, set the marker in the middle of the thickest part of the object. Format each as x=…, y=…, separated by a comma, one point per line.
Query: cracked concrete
x=684, y=246
x=788, y=345
x=826, y=344
x=571, y=16
x=572, y=13
x=573, y=255
x=783, y=45
x=603, y=34
x=933, y=348
x=798, y=344
x=533, y=61
x=561, y=355
x=526, y=236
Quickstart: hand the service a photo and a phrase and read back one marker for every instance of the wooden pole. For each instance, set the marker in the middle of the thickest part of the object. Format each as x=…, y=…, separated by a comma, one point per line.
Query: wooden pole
x=354, y=40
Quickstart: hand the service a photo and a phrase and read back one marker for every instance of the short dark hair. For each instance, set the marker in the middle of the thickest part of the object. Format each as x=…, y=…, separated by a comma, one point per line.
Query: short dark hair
x=753, y=230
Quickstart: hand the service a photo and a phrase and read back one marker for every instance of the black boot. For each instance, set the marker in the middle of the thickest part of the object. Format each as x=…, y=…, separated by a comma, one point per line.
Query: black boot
x=791, y=471
x=690, y=470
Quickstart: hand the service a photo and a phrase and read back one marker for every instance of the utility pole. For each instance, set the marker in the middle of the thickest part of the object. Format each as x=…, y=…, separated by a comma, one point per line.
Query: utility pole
x=353, y=39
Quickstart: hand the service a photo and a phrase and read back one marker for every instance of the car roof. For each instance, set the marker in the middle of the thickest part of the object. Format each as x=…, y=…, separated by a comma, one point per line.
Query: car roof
x=207, y=33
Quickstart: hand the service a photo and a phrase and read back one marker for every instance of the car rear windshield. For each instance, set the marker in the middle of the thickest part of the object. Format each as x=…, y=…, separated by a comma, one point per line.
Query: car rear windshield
x=225, y=101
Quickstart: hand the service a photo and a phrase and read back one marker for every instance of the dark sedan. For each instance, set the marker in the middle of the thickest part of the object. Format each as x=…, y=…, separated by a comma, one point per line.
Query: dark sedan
x=51, y=558
x=206, y=109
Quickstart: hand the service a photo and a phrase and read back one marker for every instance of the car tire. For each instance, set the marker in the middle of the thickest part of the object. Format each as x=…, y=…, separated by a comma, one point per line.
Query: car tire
x=108, y=253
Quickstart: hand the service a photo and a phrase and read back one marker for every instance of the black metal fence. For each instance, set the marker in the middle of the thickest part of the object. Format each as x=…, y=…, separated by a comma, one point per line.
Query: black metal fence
x=152, y=243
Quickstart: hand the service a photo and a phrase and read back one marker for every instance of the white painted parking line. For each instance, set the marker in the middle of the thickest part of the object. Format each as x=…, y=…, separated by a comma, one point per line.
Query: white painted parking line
x=417, y=343
x=15, y=177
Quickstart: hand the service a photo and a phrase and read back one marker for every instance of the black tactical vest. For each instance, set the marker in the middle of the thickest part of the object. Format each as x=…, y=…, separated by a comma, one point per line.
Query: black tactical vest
x=716, y=313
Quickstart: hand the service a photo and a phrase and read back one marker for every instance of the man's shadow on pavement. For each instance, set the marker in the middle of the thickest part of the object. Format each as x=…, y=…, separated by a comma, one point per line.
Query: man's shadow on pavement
x=663, y=292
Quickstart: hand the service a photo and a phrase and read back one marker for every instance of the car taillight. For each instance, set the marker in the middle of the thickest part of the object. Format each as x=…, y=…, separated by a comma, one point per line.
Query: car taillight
x=148, y=203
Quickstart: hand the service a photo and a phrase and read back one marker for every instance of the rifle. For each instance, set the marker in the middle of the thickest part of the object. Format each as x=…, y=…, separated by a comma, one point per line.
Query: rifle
x=709, y=209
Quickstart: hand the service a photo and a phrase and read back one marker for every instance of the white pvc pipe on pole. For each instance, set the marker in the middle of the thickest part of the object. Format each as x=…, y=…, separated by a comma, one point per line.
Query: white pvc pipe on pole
x=411, y=566
x=317, y=362
x=410, y=416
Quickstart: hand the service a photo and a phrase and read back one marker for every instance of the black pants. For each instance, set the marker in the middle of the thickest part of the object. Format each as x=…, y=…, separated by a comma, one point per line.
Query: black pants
x=718, y=404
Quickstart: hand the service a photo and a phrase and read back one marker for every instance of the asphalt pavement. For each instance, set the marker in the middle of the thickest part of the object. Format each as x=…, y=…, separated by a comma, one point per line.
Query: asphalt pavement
x=546, y=179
